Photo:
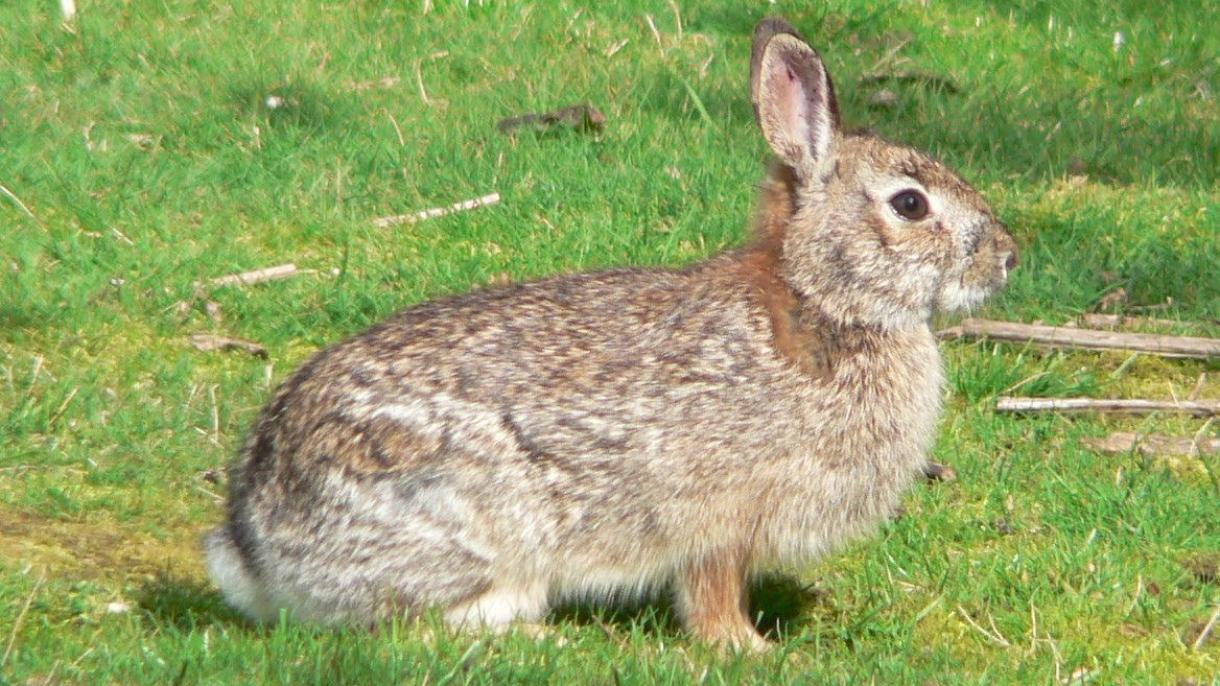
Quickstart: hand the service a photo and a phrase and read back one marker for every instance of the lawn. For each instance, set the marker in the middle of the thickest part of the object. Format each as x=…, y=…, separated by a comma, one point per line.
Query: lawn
x=147, y=147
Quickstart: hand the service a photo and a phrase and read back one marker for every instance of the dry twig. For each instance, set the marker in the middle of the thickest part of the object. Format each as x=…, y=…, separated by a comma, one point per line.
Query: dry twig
x=413, y=217
x=1199, y=408
x=12, y=637
x=996, y=638
x=1087, y=339
x=62, y=407
x=209, y=342
x=17, y=201
x=281, y=271
x=1206, y=630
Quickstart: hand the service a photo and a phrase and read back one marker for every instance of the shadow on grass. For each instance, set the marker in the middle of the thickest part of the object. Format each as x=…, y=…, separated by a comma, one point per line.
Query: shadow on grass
x=777, y=605
x=184, y=603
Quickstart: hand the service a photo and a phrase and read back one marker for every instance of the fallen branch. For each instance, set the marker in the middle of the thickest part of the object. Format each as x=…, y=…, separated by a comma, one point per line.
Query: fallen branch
x=1123, y=442
x=1199, y=408
x=282, y=271
x=413, y=217
x=1086, y=339
x=207, y=342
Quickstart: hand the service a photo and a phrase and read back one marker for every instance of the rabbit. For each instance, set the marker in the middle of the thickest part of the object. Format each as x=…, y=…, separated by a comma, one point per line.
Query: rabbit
x=605, y=435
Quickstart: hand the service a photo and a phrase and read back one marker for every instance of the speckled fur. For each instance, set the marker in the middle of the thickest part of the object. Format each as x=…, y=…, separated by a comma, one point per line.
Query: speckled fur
x=615, y=433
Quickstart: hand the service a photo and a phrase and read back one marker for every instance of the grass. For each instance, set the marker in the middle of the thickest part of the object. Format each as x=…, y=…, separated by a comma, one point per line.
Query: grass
x=141, y=141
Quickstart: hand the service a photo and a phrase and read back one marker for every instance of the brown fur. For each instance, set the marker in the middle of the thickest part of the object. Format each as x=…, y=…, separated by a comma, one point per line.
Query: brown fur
x=758, y=264
x=714, y=602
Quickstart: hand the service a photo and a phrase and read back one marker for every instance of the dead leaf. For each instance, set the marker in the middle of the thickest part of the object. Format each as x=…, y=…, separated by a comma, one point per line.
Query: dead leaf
x=935, y=471
x=583, y=117
x=923, y=77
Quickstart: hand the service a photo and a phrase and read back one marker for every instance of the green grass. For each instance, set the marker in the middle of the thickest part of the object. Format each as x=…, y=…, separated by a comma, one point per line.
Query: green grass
x=141, y=142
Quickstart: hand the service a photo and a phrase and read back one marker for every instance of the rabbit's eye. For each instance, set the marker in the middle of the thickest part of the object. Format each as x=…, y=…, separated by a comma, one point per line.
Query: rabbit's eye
x=910, y=205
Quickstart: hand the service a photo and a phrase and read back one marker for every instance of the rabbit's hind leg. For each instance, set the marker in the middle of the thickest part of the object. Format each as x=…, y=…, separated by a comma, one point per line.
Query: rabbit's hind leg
x=712, y=600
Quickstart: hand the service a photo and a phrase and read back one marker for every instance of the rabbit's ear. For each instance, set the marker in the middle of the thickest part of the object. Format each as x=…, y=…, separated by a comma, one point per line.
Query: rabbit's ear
x=794, y=100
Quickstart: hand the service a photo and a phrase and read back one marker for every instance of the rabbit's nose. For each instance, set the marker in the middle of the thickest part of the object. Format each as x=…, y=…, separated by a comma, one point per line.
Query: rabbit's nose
x=1010, y=263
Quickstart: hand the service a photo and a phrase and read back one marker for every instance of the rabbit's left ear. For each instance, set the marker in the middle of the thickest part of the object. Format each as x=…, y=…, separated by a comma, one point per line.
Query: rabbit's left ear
x=794, y=100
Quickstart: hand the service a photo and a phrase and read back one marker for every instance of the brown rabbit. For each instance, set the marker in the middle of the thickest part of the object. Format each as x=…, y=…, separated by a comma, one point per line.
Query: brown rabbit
x=614, y=433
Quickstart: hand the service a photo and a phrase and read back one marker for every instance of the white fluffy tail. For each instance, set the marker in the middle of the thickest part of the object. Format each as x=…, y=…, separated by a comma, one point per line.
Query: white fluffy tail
x=228, y=571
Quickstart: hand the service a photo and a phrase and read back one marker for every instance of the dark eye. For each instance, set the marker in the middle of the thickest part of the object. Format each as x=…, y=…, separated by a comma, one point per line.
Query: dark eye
x=910, y=205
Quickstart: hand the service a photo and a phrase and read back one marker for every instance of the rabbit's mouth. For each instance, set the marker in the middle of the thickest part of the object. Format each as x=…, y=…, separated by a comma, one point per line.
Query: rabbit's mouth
x=958, y=295
x=986, y=274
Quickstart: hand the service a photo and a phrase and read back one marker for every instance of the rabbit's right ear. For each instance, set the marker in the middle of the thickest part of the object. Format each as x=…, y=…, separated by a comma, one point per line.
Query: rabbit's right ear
x=794, y=100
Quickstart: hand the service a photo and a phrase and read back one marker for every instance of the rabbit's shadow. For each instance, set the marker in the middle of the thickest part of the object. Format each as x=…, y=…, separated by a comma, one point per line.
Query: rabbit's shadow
x=777, y=604
x=184, y=603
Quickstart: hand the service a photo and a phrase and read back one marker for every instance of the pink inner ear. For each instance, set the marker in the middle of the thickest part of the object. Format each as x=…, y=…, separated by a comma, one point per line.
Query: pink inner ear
x=789, y=95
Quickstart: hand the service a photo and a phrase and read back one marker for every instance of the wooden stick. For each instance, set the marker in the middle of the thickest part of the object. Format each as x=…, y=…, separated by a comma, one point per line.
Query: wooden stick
x=281, y=271
x=1086, y=339
x=413, y=217
x=208, y=342
x=1123, y=442
x=1199, y=408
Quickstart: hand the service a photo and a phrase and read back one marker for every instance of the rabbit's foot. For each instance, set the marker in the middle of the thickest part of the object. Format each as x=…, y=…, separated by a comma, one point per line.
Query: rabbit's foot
x=495, y=610
x=540, y=632
x=743, y=639
x=712, y=598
